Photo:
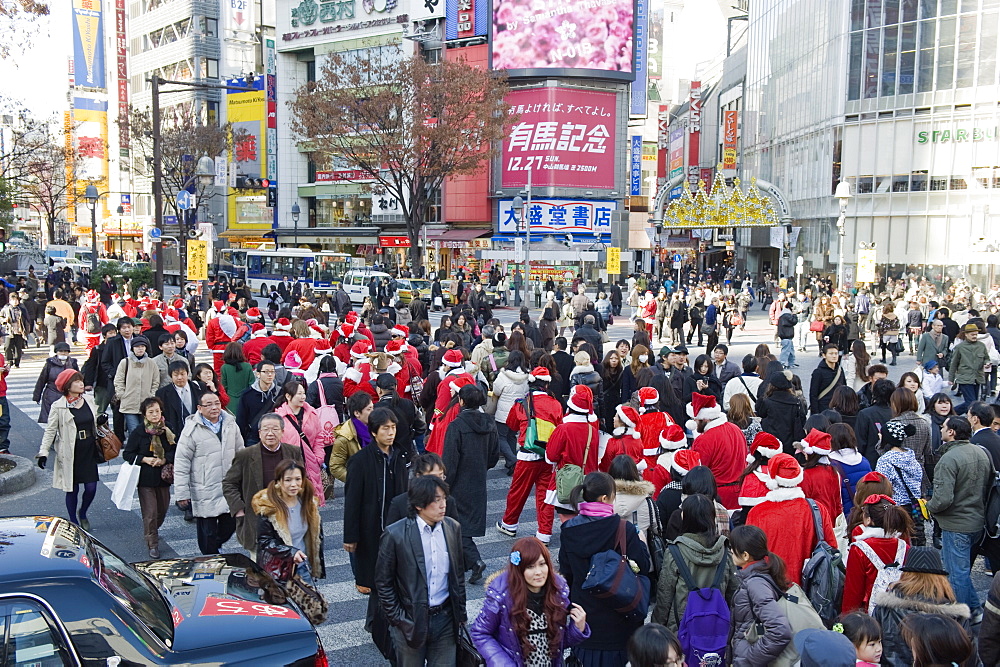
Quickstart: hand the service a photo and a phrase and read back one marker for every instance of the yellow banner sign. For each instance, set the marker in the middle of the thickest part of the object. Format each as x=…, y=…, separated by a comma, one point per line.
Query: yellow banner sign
x=866, y=266
x=197, y=260
x=614, y=260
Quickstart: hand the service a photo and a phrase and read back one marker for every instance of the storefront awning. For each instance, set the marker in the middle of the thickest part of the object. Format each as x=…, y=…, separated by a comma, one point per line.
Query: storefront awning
x=456, y=234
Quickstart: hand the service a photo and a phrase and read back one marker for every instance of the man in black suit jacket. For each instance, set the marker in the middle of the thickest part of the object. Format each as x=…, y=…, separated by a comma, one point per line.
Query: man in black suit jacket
x=981, y=418
x=564, y=367
x=175, y=409
x=116, y=349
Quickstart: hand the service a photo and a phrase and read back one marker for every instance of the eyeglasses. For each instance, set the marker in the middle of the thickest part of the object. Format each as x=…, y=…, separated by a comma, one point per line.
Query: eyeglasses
x=266, y=372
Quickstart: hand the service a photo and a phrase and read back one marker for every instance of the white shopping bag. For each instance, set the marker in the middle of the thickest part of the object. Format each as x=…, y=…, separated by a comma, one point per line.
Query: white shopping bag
x=128, y=479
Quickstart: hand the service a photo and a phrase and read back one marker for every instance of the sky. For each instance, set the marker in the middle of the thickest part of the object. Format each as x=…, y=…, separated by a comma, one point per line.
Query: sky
x=37, y=76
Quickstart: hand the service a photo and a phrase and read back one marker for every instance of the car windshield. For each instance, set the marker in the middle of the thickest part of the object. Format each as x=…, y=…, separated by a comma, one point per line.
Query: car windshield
x=421, y=284
x=134, y=591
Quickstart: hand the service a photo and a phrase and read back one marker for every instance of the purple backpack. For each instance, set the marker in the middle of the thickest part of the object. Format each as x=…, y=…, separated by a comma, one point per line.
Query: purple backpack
x=703, y=630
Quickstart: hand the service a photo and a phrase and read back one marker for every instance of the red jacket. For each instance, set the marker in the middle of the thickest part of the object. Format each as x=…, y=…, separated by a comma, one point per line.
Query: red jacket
x=861, y=572
x=630, y=444
x=545, y=407
x=822, y=484
x=446, y=414
x=753, y=489
x=253, y=347
x=444, y=392
x=723, y=448
x=569, y=441
x=787, y=520
x=359, y=378
x=282, y=339
x=650, y=426
x=306, y=349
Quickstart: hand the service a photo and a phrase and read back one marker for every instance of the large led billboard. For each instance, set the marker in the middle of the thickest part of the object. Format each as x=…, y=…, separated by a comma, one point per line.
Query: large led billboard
x=565, y=37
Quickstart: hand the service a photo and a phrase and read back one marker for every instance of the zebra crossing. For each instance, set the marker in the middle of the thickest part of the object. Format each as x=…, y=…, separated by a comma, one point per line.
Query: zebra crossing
x=343, y=635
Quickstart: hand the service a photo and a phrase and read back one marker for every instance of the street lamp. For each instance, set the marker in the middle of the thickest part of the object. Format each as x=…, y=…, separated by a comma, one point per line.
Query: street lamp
x=520, y=206
x=205, y=171
x=296, y=211
x=843, y=195
x=91, y=195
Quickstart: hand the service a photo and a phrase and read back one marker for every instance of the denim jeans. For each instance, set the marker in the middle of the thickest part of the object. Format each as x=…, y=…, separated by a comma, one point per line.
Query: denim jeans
x=438, y=650
x=508, y=444
x=132, y=422
x=787, y=354
x=970, y=394
x=956, y=550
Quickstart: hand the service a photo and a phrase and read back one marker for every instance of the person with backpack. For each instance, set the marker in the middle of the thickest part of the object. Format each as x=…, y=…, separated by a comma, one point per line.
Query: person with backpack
x=593, y=532
x=534, y=418
x=697, y=583
x=876, y=555
x=573, y=449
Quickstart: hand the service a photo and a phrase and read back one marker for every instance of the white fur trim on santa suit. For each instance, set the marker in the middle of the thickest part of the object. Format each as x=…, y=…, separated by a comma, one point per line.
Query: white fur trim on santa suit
x=672, y=445
x=692, y=425
x=621, y=415
x=260, y=333
x=353, y=374
x=706, y=413
x=652, y=451
x=665, y=460
x=552, y=498
x=762, y=477
x=393, y=368
x=806, y=448
x=577, y=418
x=779, y=495
x=785, y=482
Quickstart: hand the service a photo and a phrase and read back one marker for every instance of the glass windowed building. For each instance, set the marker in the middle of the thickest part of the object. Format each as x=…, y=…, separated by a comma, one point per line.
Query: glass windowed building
x=900, y=99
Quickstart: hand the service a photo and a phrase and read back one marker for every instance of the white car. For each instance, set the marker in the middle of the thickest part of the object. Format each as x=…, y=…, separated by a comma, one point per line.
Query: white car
x=356, y=283
x=60, y=263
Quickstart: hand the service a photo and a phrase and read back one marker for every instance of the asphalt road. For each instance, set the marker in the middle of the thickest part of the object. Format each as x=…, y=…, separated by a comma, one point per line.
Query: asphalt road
x=343, y=634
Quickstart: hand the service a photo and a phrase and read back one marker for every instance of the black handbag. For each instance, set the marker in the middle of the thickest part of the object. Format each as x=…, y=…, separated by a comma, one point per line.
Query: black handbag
x=466, y=654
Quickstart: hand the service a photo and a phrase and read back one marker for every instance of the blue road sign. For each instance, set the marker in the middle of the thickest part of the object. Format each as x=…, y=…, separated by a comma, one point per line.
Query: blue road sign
x=677, y=258
x=155, y=233
x=184, y=200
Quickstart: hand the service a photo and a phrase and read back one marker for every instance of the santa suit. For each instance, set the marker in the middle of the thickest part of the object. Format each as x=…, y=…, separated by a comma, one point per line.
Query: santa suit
x=222, y=330
x=649, y=316
x=822, y=484
x=360, y=377
x=650, y=425
x=306, y=349
x=630, y=444
x=787, y=520
x=365, y=331
x=567, y=446
x=411, y=356
x=445, y=409
x=659, y=474
x=723, y=448
x=531, y=469
x=862, y=572
x=754, y=488
x=192, y=337
x=282, y=339
x=96, y=308
x=252, y=348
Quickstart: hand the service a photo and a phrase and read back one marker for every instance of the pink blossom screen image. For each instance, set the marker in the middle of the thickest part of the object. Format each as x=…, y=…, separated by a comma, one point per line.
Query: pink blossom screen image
x=570, y=34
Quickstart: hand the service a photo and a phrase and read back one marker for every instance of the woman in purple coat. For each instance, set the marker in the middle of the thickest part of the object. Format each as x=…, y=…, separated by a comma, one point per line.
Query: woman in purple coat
x=527, y=618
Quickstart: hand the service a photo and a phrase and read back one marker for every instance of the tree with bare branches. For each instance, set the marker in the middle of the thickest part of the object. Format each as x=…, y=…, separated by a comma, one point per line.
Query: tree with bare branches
x=50, y=186
x=18, y=21
x=406, y=123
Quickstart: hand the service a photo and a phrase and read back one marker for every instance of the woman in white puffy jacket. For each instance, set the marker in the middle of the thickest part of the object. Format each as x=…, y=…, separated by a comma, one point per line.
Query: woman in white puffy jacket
x=510, y=385
x=633, y=494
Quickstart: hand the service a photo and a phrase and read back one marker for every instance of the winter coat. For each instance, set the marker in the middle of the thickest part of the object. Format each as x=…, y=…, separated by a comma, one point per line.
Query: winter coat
x=989, y=631
x=967, y=361
x=822, y=483
x=492, y=631
x=255, y=403
x=691, y=386
x=891, y=608
x=631, y=504
x=756, y=601
x=586, y=375
x=274, y=539
x=927, y=349
x=787, y=520
x=786, y=325
x=509, y=386
x=867, y=427
x=202, y=461
x=303, y=432
x=920, y=443
x=861, y=571
x=908, y=480
x=582, y=537
x=382, y=336
x=373, y=480
x=960, y=479
x=139, y=446
x=822, y=377
x=702, y=558
x=236, y=379
x=345, y=445
x=135, y=381
x=243, y=480
x=471, y=448
x=45, y=387
x=723, y=449
x=60, y=438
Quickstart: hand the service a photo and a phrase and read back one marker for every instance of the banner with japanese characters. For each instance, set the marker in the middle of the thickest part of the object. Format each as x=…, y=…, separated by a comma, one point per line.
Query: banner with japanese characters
x=248, y=112
x=564, y=136
x=556, y=216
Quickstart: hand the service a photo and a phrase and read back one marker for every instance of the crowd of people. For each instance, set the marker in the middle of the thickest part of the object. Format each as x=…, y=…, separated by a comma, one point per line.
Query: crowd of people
x=753, y=522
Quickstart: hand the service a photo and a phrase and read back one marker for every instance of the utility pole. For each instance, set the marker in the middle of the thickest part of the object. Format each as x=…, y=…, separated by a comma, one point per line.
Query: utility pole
x=157, y=184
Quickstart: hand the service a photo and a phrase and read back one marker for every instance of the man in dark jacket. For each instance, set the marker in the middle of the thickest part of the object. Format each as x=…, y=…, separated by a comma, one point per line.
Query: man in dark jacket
x=257, y=400
x=116, y=349
x=419, y=577
x=252, y=470
x=375, y=475
x=825, y=378
x=786, y=334
x=92, y=375
x=564, y=367
x=869, y=422
x=588, y=332
x=154, y=332
x=180, y=397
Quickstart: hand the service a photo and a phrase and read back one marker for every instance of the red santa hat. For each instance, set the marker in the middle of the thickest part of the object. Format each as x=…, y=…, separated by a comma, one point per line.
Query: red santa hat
x=581, y=399
x=257, y=330
x=346, y=330
x=92, y=295
x=703, y=408
x=351, y=317
x=783, y=471
x=323, y=347
x=283, y=324
x=316, y=331
x=628, y=415
x=453, y=359
x=764, y=444
x=219, y=306
x=685, y=460
x=815, y=442
x=253, y=314
x=400, y=330
x=648, y=396
x=178, y=303
x=394, y=347
x=540, y=374
x=672, y=438
x=361, y=348
x=171, y=315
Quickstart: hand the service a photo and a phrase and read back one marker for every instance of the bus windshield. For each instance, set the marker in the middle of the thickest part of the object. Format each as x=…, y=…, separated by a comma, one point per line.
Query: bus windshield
x=329, y=269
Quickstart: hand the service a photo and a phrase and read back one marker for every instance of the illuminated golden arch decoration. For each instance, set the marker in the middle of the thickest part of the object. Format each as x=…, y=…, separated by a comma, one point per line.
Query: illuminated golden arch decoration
x=722, y=207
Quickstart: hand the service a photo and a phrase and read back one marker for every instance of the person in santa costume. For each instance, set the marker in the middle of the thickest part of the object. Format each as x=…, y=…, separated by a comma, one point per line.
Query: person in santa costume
x=359, y=326
x=624, y=440
x=344, y=340
x=786, y=517
x=219, y=307
x=282, y=333
x=722, y=446
x=323, y=349
x=753, y=488
x=446, y=405
x=821, y=482
x=668, y=481
x=394, y=348
x=884, y=539
x=89, y=327
x=258, y=341
x=304, y=345
x=652, y=421
x=531, y=469
x=401, y=333
x=224, y=328
x=360, y=377
x=578, y=436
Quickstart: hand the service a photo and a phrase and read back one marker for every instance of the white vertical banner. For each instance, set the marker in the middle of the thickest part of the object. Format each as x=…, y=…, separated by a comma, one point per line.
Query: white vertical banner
x=238, y=19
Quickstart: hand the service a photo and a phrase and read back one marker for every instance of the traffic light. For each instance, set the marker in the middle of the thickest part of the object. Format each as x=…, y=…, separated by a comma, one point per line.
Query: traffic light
x=251, y=183
x=272, y=197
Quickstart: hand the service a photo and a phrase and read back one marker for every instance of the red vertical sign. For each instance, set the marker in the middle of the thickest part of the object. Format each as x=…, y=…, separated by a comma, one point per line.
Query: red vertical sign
x=729, y=139
x=694, y=134
x=662, y=144
x=122, y=68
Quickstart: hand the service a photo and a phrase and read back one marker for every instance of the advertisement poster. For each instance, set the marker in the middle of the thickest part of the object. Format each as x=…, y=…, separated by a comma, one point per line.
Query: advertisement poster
x=566, y=138
x=571, y=34
x=88, y=44
x=557, y=216
x=248, y=112
x=640, y=88
x=635, y=167
x=694, y=134
x=466, y=18
x=729, y=120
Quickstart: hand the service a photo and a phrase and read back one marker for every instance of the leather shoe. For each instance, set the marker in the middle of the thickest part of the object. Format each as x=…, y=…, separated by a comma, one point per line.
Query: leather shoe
x=364, y=590
x=154, y=553
x=477, y=572
x=85, y=524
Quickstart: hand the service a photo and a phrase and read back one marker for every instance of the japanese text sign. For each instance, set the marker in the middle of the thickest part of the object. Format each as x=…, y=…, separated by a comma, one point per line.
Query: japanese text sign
x=565, y=137
x=228, y=607
x=635, y=167
x=557, y=216
x=729, y=139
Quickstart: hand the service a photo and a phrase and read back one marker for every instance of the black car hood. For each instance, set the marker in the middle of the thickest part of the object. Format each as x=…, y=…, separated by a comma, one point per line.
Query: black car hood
x=222, y=599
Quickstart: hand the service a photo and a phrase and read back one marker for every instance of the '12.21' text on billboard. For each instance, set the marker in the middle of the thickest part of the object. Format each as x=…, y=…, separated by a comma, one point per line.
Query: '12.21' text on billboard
x=566, y=138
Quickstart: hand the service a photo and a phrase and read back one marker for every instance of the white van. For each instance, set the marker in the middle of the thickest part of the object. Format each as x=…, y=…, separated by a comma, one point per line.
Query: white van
x=356, y=283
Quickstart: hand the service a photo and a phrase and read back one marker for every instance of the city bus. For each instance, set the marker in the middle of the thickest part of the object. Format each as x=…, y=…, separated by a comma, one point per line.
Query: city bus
x=262, y=269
